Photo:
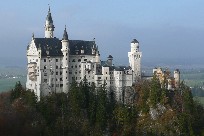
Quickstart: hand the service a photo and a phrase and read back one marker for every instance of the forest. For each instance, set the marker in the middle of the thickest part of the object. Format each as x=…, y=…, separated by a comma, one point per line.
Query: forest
x=89, y=111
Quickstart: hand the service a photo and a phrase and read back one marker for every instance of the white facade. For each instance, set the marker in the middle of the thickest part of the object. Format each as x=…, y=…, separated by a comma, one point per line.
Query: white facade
x=135, y=60
x=53, y=64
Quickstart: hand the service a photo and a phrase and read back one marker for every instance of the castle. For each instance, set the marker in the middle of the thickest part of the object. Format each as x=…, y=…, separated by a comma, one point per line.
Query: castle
x=53, y=64
x=166, y=79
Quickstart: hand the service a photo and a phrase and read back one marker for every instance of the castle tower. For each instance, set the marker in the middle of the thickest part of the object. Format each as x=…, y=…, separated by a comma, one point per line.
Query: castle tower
x=110, y=60
x=97, y=55
x=49, y=26
x=135, y=60
x=65, y=60
x=177, y=78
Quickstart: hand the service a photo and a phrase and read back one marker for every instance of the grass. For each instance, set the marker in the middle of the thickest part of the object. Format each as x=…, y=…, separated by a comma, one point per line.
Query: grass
x=193, y=77
x=199, y=99
x=9, y=83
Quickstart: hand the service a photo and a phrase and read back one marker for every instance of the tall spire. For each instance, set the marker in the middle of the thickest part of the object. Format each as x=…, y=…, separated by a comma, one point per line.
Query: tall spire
x=49, y=16
x=49, y=26
x=65, y=35
x=33, y=36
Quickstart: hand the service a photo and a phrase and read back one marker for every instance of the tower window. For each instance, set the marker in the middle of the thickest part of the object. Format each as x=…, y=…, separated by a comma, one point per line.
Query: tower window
x=45, y=80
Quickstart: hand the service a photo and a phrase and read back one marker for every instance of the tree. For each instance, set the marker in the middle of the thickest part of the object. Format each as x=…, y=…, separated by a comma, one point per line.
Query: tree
x=101, y=111
x=17, y=91
x=155, y=91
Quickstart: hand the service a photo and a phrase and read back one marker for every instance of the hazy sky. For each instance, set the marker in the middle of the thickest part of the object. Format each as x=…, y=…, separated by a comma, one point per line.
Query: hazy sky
x=166, y=29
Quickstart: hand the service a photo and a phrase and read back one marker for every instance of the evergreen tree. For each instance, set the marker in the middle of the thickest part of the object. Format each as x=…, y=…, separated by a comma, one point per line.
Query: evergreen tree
x=17, y=91
x=75, y=99
x=101, y=111
x=155, y=91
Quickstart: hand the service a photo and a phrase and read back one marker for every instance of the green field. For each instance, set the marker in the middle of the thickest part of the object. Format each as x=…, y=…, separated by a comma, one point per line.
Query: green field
x=199, y=99
x=193, y=77
x=8, y=83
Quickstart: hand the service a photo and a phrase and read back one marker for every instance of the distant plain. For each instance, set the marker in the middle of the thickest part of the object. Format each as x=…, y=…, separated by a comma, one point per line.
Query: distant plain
x=10, y=75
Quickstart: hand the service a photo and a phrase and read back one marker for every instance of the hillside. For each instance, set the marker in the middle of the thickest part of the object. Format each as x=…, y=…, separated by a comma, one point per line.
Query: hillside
x=86, y=110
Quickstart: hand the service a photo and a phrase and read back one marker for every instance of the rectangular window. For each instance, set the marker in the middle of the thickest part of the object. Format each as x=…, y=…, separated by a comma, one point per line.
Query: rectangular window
x=45, y=80
x=61, y=85
x=60, y=79
x=56, y=73
x=44, y=60
x=56, y=67
x=56, y=60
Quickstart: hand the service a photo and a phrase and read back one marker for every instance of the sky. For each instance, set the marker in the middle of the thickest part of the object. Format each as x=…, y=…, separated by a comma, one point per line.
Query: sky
x=169, y=31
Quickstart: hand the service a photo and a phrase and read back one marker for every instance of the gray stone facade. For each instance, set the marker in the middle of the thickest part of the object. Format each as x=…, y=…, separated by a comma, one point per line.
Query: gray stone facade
x=53, y=64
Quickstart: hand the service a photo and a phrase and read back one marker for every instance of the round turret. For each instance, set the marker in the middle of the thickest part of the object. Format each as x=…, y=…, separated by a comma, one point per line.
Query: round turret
x=49, y=26
x=177, y=78
x=134, y=46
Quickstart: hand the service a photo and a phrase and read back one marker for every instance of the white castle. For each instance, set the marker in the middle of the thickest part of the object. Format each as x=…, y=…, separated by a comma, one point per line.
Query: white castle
x=53, y=64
